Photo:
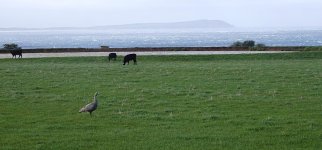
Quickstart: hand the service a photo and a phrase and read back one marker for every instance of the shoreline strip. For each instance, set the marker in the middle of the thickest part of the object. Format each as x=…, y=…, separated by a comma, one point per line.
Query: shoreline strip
x=154, y=53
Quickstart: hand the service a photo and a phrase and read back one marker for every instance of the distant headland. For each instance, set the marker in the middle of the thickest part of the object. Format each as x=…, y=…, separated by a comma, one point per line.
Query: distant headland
x=209, y=24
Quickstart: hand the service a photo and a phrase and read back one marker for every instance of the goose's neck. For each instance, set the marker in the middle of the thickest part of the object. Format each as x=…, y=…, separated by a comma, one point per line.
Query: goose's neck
x=95, y=99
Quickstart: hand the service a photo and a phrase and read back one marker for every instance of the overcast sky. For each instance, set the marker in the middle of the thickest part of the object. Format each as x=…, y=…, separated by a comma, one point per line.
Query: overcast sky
x=80, y=13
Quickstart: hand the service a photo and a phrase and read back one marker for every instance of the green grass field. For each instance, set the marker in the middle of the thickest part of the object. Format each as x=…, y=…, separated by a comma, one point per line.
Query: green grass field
x=263, y=101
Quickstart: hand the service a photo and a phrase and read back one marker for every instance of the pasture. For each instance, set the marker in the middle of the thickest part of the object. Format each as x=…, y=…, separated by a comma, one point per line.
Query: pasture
x=261, y=101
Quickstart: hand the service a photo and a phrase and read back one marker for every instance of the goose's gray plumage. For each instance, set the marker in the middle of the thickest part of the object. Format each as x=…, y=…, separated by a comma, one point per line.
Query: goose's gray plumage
x=91, y=106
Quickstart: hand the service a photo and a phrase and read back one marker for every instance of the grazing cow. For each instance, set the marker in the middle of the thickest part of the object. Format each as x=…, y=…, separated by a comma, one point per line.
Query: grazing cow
x=16, y=52
x=112, y=56
x=128, y=58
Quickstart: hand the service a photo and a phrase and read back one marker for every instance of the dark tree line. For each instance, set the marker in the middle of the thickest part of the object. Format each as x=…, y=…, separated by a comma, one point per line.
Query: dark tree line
x=11, y=46
x=249, y=44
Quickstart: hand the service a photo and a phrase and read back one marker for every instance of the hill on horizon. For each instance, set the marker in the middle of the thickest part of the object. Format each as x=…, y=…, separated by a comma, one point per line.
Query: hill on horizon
x=175, y=25
x=210, y=24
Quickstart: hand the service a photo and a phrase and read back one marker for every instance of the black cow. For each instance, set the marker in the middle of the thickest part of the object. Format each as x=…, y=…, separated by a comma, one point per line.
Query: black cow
x=128, y=58
x=16, y=52
x=112, y=56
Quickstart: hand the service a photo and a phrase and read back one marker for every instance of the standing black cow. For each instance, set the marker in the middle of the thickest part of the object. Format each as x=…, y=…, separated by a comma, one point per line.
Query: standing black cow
x=112, y=56
x=14, y=53
x=128, y=58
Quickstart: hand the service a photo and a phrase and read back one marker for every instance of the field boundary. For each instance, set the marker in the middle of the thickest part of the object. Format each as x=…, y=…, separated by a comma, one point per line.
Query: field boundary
x=153, y=49
x=141, y=53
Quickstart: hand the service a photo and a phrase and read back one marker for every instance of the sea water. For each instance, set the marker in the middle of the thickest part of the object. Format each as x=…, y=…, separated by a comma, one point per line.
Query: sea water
x=124, y=38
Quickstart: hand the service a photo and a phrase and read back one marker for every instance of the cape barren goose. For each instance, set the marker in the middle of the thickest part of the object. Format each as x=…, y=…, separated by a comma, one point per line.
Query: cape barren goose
x=91, y=106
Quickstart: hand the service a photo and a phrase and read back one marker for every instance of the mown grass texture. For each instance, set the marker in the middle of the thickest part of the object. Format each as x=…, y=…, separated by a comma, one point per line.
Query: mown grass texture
x=263, y=101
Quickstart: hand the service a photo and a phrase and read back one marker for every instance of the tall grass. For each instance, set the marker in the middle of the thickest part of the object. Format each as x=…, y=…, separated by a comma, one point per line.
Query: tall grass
x=265, y=101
